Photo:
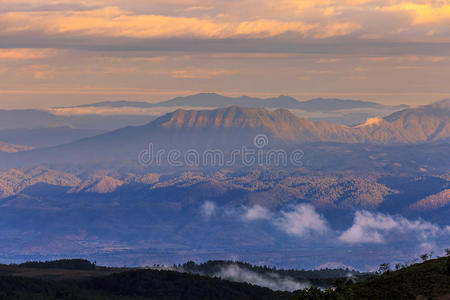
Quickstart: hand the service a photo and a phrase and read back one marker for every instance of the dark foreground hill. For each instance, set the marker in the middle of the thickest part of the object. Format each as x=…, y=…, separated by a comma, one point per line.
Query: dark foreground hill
x=428, y=280
x=134, y=284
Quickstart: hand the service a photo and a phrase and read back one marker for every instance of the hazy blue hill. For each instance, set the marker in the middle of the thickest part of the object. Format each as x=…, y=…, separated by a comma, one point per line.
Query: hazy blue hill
x=313, y=105
x=122, y=103
x=331, y=104
x=34, y=119
x=28, y=119
x=45, y=137
x=216, y=101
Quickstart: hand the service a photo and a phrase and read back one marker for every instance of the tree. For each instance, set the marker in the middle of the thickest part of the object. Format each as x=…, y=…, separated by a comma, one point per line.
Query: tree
x=339, y=283
x=447, y=251
x=424, y=257
x=383, y=268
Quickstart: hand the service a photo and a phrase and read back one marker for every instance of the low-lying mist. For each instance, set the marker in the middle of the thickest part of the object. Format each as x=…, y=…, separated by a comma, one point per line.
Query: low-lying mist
x=271, y=280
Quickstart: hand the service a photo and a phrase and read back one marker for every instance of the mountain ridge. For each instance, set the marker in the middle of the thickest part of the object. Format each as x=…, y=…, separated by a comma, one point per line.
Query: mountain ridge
x=231, y=127
x=216, y=100
x=429, y=123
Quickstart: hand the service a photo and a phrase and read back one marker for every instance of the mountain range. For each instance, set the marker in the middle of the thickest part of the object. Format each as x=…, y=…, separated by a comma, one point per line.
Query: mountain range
x=111, y=115
x=95, y=197
x=231, y=127
x=417, y=125
x=216, y=101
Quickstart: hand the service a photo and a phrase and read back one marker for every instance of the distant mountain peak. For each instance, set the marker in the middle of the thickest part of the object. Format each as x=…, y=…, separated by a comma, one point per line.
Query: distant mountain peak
x=228, y=117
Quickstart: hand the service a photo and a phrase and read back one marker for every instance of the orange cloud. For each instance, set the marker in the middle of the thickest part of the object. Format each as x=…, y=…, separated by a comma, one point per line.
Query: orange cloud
x=115, y=22
x=305, y=4
x=24, y=53
x=377, y=58
x=266, y=28
x=252, y=55
x=201, y=74
x=336, y=29
x=423, y=13
x=328, y=60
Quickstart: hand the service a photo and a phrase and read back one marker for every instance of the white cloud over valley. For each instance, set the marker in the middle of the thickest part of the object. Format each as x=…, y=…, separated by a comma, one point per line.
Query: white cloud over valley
x=377, y=228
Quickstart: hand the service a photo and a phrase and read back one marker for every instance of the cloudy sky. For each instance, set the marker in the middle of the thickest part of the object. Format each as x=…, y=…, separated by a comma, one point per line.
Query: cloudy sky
x=60, y=52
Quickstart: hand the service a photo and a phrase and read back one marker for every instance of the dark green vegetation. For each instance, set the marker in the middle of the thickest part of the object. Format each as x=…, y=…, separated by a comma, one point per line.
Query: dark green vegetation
x=69, y=264
x=142, y=284
x=105, y=283
x=322, y=278
x=430, y=279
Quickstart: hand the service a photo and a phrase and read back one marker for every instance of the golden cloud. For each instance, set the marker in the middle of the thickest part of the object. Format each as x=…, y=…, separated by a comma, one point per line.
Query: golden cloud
x=336, y=29
x=201, y=73
x=247, y=56
x=423, y=13
x=24, y=53
x=115, y=22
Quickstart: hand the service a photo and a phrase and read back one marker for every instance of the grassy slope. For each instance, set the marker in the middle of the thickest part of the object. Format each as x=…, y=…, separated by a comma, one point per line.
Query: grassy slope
x=429, y=279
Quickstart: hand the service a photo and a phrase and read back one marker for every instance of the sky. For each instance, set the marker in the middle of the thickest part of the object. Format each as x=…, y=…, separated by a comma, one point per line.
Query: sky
x=61, y=52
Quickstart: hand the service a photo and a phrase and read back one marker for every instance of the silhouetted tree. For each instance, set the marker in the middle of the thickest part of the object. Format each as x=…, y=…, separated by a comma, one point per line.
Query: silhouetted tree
x=383, y=268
